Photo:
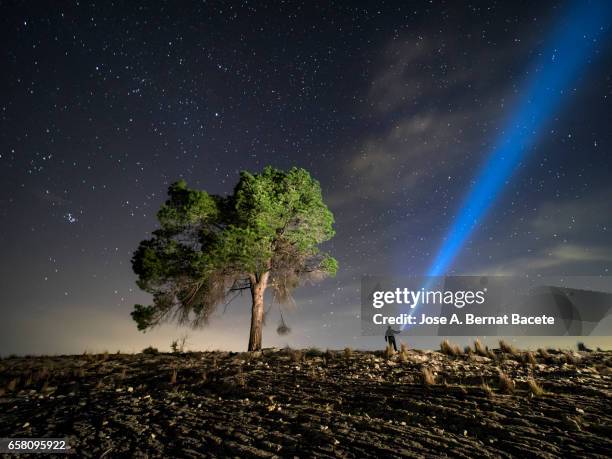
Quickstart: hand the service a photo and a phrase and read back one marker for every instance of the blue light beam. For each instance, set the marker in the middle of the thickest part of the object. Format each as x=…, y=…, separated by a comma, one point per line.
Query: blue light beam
x=569, y=49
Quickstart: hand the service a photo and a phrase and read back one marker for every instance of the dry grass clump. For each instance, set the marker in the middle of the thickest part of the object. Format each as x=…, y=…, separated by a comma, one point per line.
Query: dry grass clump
x=450, y=349
x=79, y=373
x=535, y=389
x=529, y=358
x=544, y=353
x=43, y=373
x=427, y=377
x=240, y=378
x=403, y=354
x=480, y=349
x=296, y=355
x=12, y=385
x=506, y=384
x=486, y=389
x=603, y=369
x=571, y=358
x=508, y=348
x=388, y=352
x=173, y=376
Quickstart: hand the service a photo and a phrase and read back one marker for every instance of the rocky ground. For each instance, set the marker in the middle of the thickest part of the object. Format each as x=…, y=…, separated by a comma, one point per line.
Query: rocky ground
x=312, y=404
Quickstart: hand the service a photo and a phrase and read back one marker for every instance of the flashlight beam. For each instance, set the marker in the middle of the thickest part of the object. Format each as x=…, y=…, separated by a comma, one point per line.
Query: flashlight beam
x=570, y=48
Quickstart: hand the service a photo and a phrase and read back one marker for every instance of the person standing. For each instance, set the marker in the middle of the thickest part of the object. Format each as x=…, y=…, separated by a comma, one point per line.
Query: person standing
x=390, y=337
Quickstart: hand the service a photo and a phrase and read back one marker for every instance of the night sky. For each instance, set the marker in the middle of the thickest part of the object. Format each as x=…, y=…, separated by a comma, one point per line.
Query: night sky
x=393, y=107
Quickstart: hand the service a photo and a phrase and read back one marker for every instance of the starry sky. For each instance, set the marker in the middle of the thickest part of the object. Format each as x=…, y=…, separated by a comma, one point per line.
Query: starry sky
x=392, y=106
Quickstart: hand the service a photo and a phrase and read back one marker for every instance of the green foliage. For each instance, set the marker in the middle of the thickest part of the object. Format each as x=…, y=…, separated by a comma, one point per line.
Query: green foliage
x=143, y=316
x=209, y=246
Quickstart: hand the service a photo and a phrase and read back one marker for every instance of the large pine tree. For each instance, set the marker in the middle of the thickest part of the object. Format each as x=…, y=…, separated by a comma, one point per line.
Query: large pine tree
x=210, y=248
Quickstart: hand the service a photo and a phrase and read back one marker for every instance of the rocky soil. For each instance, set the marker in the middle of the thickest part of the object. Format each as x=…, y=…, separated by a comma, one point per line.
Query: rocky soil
x=311, y=404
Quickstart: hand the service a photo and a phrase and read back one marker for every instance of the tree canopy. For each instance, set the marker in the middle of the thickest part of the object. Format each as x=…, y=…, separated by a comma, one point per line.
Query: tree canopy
x=209, y=248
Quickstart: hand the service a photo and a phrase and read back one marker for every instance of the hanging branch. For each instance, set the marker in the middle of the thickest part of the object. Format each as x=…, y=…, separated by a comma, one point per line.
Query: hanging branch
x=283, y=328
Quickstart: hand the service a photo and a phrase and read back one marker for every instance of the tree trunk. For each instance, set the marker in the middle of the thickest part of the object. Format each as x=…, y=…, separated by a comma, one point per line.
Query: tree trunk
x=258, y=289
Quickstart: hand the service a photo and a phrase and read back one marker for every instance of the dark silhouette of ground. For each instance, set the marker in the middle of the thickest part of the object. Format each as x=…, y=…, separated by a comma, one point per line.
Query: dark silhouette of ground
x=313, y=404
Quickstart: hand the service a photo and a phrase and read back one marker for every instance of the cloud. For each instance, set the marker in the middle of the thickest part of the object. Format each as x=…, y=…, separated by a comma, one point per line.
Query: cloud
x=565, y=255
x=401, y=80
x=573, y=237
x=438, y=109
x=415, y=156
x=566, y=259
x=575, y=216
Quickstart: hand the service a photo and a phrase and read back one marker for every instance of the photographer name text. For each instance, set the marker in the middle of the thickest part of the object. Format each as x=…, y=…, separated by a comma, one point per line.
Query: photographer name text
x=467, y=319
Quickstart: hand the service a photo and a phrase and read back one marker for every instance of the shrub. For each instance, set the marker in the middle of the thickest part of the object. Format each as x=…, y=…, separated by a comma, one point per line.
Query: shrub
x=150, y=351
x=582, y=347
x=178, y=345
x=314, y=352
x=348, y=353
